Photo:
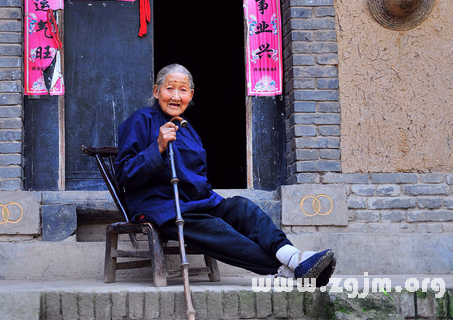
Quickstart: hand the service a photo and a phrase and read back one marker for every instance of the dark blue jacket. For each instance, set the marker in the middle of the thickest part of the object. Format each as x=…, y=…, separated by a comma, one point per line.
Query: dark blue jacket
x=146, y=174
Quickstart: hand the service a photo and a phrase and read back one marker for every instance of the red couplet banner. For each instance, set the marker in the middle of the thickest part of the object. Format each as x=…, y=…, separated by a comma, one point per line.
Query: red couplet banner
x=264, y=47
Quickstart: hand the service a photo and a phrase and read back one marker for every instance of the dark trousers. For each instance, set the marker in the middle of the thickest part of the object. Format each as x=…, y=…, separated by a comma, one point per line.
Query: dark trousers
x=237, y=232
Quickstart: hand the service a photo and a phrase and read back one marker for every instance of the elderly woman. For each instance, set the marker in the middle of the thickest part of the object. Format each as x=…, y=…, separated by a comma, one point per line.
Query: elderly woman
x=232, y=230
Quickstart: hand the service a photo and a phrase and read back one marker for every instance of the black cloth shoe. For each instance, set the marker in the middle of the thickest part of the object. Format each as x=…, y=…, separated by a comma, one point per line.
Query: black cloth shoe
x=314, y=266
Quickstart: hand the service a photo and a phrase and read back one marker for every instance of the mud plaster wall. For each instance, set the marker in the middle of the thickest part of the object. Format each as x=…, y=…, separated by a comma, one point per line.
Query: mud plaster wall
x=396, y=91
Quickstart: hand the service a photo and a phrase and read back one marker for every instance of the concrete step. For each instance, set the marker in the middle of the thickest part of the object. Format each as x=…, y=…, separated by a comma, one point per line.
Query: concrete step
x=231, y=298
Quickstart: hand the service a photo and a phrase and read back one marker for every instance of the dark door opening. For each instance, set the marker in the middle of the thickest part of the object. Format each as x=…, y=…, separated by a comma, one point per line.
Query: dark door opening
x=210, y=43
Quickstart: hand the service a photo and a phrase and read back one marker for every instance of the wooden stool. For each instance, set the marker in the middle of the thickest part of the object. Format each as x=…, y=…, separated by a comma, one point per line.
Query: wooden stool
x=155, y=257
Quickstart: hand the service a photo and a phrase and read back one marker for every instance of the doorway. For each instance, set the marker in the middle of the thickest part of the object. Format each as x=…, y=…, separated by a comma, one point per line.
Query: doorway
x=210, y=43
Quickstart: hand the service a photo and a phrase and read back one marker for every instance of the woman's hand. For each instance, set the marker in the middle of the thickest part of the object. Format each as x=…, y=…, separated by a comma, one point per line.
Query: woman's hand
x=167, y=133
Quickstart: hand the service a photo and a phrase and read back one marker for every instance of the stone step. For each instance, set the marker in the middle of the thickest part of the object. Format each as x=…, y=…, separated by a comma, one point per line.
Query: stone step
x=231, y=298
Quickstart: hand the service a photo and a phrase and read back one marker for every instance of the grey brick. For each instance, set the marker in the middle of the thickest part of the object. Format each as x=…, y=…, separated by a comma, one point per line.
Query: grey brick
x=391, y=203
x=11, y=184
x=363, y=190
x=230, y=305
x=314, y=47
x=136, y=306
x=10, y=3
x=10, y=111
x=307, y=154
x=345, y=178
x=263, y=304
x=448, y=202
x=317, y=118
x=318, y=166
x=430, y=203
x=10, y=37
x=356, y=202
x=425, y=189
x=10, y=98
x=10, y=172
x=313, y=3
x=432, y=178
x=392, y=216
x=313, y=95
x=152, y=304
x=305, y=131
x=315, y=71
x=329, y=107
x=303, y=60
x=394, y=178
x=301, y=35
x=280, y=304
x=367, y=216
x=303, y=83
x=52, y=304
x=388, y=190
x=10, y=147
x=301, y=12
x=101, y=306
x=302, y=106
x=325, y=12
x=306, y=178
x=11, y=13
x=10, y=135
x=10, y=25
x=119, y=303
x=86, y=306
x=214, y=304
x=325, y=35
x=10, y=62
x=295, y=304
x=11, y=123
x=167, y=304
x=10, y=159
x=427, y=216
x=449, y=178
x=329, y=130
x=327, y=83
x=313, y=24
x=318, y=142
x=10, y=74
x=11, y=86
x=69, y=305
x=330, y=154
x=247, y=304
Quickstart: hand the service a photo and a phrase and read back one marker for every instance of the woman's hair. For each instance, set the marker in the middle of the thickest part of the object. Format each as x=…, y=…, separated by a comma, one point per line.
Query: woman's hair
x=164, y=72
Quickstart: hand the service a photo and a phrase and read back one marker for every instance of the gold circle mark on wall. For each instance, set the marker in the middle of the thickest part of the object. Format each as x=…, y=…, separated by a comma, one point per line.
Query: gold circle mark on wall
x=316, y=204
x=6, y=213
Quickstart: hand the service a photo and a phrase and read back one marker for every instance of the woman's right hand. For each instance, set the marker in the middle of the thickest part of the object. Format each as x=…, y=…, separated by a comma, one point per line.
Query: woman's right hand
x=167, y=133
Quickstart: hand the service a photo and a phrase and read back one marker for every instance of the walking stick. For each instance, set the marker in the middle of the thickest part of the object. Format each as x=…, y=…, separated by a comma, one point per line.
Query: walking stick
x=180, y=223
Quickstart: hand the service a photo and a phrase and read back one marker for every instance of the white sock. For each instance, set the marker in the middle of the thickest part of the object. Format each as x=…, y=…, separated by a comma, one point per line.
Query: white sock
x=286, y=254
x=291, y=256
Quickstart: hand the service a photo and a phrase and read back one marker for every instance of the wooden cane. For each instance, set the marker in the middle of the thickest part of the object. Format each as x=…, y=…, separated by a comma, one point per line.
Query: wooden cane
x=180, y=223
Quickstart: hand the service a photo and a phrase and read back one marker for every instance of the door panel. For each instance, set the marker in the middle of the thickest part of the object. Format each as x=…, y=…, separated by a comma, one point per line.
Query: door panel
x=108, y=75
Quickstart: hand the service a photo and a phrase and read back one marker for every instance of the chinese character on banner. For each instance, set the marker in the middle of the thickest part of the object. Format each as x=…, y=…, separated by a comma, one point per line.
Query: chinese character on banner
x=42, y=45
x=264, y=53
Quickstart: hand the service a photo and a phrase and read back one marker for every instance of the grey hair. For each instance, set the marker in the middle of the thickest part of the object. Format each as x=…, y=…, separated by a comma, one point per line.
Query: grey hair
x=164, y=72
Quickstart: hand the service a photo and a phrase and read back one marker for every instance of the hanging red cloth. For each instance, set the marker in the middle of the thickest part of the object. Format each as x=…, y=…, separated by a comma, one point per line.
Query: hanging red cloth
x=145, y=17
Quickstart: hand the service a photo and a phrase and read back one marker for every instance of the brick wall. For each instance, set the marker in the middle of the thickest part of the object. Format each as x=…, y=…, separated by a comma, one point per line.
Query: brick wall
x=393, y=203
x=11, y=101
x=311, y=89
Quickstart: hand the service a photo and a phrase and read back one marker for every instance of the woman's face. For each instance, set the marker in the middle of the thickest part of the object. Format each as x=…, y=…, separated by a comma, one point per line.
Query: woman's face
x=174, y=94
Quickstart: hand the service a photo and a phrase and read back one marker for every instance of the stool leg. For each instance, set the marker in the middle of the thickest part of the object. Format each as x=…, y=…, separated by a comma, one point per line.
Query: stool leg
x=214, y=276
x=110, y=262
x=157, y=258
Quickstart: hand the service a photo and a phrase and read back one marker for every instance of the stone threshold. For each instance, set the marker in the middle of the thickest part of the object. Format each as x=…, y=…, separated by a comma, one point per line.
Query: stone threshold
x=231, y=298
